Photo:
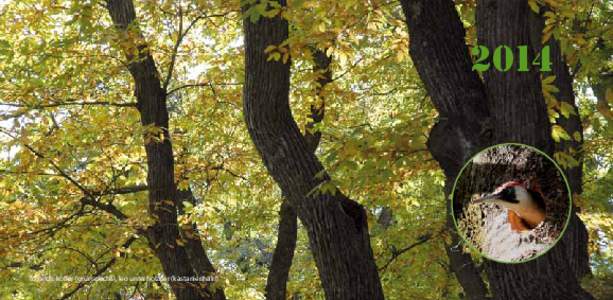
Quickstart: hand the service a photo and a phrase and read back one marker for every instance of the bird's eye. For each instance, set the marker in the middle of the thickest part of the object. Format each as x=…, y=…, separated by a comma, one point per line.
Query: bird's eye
x=508, y=194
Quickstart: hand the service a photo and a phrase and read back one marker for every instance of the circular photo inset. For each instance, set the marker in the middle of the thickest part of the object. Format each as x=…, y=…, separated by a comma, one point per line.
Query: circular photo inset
x=511, y=203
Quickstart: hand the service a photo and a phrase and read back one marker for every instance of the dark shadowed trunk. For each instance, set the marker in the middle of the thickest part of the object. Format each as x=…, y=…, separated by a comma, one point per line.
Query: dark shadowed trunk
x=322, y=68
x=576, y=235
x=278, y=273
x=442, y=60
x=462, y=265
x=336, y=225
x=514, y=110
x=520, y=115
x=276, y=283
x=515, y=99
x=163, y=236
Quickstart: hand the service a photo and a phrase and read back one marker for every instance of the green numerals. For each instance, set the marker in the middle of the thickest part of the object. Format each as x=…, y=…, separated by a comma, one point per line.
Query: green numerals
x=503, y=59
x=481, y=53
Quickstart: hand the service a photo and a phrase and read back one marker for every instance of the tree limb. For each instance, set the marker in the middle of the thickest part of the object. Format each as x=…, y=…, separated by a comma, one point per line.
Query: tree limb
x=439, y=52
x=337, y=226
x=180, y=38
x=276, y=282
x=421, y=240
x=440, y=55
x=70, y=103
x=98, y=272
x=164, y=200
x=107, y=207
x=89, y=196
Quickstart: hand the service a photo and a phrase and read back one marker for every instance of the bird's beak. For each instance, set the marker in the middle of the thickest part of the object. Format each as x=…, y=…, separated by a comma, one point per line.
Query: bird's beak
x=486, y=198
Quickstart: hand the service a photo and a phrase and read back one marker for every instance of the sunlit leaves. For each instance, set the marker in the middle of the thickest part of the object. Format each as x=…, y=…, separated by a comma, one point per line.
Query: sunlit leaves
x=558, y=133
x=534, y=6
x=565, y=160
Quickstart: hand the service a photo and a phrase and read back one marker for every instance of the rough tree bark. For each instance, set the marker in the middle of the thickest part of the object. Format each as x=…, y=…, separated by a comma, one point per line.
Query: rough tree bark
x=442, y=60
x=462, y=265
x=520, y=114
x=515, y=99
x=336, y=225
x=276, y=282
x=506, y=107
x=164, y=199
x=576, y=235
x=278, y=273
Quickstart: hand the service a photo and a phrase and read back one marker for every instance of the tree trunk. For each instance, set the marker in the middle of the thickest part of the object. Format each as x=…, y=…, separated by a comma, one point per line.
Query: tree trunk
x=442, y=60
x=276, y=282
x=576, y=235
x=513, y=111
x=520, y=114
x=462, y=265
x=336, y=225
x=164, y=234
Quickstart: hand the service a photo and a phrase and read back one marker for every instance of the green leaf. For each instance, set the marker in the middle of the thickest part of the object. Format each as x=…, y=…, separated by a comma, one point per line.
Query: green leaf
x=550, y=88
x=274, y=56
x=270, y=48
x=549, y=79
x=533, y=6
x=566, y=109
x=558, y=133
x=565, y=160
x=4, y=44
x=553, y=115
x=188, y=206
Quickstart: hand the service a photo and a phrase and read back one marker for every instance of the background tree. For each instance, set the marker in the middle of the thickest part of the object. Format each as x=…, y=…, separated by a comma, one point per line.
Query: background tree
x=337, y=226
x=504, y=107
x=276, y=283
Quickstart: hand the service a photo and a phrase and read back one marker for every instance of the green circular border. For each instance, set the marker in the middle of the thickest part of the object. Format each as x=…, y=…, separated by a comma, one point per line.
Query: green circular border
x=568, y=215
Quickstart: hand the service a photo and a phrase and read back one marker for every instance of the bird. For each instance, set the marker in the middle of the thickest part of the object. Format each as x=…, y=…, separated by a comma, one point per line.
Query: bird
x=525, y=204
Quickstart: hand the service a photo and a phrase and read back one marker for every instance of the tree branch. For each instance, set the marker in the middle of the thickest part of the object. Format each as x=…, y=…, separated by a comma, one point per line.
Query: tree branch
x=76, y=103
x=164, y=199
x=200, y=84
x=441, y=57
x=107, y=207
x=322, y=68
x=99, y=272
x=121, y=190
x=515, y=99
x=51, y=162
x=89, y=196
x=175, y=50
x=395, y=254
x=276, y=282
x=180, y=38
